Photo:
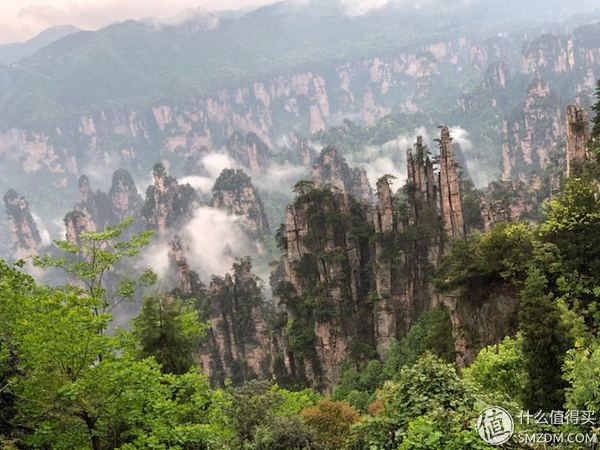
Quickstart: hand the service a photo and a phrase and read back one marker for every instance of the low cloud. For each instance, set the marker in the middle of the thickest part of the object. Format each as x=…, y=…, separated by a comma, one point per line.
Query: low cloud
x=389, y=158
x=360, y=7
x=212, y=240
x=480, y=171
x=22, y=22
x=279, y=178
x=213, y=164
x=215, y=239
x=44, y=233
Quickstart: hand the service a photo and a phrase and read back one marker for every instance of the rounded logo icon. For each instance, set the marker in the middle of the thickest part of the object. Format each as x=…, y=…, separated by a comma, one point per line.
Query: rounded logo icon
x=495, y=425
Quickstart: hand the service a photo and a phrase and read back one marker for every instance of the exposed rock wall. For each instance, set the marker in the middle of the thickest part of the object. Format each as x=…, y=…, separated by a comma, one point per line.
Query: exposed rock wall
x=450, y=199
x=92, y=213
x=386, y=226
x=482, y=322
x=234, y=192
x=326, y=263
x=420, y=179
x=237, y=345
x=96, y=209
x=167, y=202
x=125, y=200
x=306, y=101
x=532, y=133
x=578, y=137
x=330, y=168
x=184, y=276
x=24, y=233
x=249, y=151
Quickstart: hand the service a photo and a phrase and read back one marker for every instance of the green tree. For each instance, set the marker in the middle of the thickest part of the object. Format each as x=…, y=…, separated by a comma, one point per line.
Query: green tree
x=570, y=248
x=499, y=369
x=286, y=432
x=90, y=265
x=16, y=290
x=582, y=366
x=64, y=395
x=332, y=422
x=430, y=386
x=596, y=121
x=257, y=404
x=545, y=341
x=169, y=330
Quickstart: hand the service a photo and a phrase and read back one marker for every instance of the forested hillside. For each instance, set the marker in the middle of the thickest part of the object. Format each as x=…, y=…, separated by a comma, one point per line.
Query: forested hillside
x=312, y=225
x=69, y=378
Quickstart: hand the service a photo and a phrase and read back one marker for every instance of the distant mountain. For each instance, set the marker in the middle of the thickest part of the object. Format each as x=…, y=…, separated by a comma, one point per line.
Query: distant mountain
x=138, y=92
x=139, y=63
x=14, y=52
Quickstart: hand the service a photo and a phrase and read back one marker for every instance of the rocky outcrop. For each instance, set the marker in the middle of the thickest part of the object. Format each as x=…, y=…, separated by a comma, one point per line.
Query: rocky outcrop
x=450, y=199
x=486, y=321
x=407, y=81
x=497, y=75
x=297, y=149
x=330, y=168
x=508, y=201
x=26, y=239
x=325, y=292
x=92, y=213
x=421, y=182
x=167, y=202
x=96, y=209
x=234, y=192
x=359, y=273
x=237, y=346
x=124, y=198
x=76, y=222
x=386, y=227
x=578, y=137
x=184, y=277
x=408, y=245
x=249, y=151
x=548, y=53
x=532, y=133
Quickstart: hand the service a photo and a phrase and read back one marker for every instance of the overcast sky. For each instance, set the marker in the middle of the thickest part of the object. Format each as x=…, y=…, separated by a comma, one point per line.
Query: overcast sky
x=22, y=19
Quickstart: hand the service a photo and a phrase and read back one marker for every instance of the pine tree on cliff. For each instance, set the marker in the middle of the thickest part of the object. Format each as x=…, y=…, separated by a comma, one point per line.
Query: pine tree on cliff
x=596, y=121
x=595, y=136
x=544, y=345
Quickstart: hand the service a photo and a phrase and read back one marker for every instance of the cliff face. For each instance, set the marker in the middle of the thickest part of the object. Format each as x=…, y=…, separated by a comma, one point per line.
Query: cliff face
x=385, y=223
x=421, y=181
x=331, y=169
x=92, y=213
x=185, y=278
x=562, y=54
x=96, y=209
x=233, y=191
x=450, y=199
x=533, y=134
x=237, y=345
x=260, y=113
x=578, y=137
x=249, y=151
x=355, y=276
x=124, y=197
x=24, y=233
x=324, y=294
x=263, y=110
x=167, y=202
x=508, y=201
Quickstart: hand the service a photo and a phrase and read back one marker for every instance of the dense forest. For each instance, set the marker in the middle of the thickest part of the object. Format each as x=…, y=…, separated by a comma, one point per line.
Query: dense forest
x=71, y=379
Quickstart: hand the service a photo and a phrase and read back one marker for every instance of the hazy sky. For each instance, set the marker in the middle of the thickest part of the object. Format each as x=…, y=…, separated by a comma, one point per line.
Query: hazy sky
x=22, y=19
